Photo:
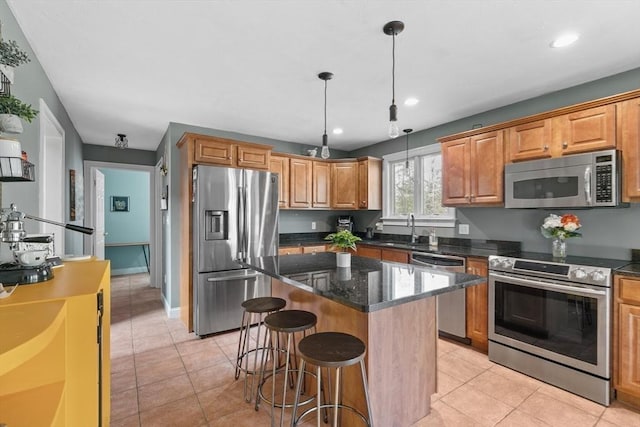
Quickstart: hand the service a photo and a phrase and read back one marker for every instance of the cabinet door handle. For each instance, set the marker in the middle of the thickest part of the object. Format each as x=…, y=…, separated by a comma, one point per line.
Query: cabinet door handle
x=545, y=148
x=565, y=144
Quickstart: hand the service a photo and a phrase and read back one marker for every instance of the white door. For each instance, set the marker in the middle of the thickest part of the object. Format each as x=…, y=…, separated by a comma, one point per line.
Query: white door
x=52, y=181
x=98, y=183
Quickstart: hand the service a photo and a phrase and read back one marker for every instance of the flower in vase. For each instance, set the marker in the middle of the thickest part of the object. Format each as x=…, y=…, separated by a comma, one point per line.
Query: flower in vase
x=562, y=227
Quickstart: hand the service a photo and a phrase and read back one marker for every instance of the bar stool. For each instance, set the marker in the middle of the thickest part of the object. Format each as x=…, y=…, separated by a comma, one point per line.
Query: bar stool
x=287, y=322
x=255, y=307
x=331, y=350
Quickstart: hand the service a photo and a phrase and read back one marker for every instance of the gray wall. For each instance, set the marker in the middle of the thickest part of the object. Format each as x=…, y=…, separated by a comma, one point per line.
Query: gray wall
x=31, y=84
x=608, y=233
x=103, y=153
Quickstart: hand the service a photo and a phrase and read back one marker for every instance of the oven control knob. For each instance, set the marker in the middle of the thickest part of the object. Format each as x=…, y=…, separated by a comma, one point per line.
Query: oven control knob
x=579, y=273
x=597, y=276
x=507, y=263
x=495, y=262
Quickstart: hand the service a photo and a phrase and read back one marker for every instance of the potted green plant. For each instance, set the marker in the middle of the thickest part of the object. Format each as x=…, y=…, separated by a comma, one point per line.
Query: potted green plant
x=11, y=56
x=343, y=241
x=11, y=111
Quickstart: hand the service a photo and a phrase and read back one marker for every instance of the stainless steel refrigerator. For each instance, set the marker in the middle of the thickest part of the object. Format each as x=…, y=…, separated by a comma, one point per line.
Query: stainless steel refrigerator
x=235, y=216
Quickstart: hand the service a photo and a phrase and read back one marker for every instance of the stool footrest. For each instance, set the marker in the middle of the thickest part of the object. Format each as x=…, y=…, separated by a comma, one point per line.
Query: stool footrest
x=332, y=406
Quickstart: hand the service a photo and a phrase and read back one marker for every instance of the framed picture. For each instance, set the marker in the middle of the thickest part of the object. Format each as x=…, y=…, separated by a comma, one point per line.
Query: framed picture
x=72, y=195
x=120, y=203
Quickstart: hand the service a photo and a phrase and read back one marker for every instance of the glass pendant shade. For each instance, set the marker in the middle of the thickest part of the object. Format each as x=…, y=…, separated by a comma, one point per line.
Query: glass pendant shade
x=394, y=131
x=324, y=153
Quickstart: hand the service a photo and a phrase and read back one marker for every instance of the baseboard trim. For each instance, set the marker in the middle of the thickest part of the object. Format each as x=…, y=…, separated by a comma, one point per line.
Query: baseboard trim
x=130, y=270
x=172, y=313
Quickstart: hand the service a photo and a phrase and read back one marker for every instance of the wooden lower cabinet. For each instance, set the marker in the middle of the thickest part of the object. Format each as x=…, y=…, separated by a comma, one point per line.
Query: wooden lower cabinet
x=314, y=249
x=290, y=250
x=395, y=255
x=369, y=252
x=626, y=339
x=478, y=306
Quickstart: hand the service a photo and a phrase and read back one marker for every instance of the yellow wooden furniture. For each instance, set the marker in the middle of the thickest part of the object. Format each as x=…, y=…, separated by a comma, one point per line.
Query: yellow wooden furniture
x=54, y=349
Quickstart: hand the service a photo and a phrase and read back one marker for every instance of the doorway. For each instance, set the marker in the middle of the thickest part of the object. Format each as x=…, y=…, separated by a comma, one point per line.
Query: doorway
x=52, y=170
x=94, y=215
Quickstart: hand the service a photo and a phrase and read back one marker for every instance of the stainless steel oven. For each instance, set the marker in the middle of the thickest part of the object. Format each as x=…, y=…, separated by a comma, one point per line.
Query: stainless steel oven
x=552, y=321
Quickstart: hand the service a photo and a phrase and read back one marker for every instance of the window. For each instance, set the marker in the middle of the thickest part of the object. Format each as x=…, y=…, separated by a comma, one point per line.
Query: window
x=412, y=183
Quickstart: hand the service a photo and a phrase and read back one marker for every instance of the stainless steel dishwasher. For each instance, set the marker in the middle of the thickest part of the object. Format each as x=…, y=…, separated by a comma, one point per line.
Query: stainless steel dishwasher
x=452, y=319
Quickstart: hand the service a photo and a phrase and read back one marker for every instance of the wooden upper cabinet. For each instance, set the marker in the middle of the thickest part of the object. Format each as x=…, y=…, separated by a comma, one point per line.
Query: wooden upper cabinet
x=344, y=183
x=592, y=129
x=455, y=172
x=300, y=188
x=487, y=168
x=477, y=306
x=215, y=151
x=630, y=135
x=227, y=152
x=473, y=170
x=530, y=141
x=321, y=184
x=589, y=130
x=253, y=156
x=280, y=165
x=370, y=183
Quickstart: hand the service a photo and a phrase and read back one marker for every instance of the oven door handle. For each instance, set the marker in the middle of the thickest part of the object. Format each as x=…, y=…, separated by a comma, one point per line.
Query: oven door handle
x=576, y=290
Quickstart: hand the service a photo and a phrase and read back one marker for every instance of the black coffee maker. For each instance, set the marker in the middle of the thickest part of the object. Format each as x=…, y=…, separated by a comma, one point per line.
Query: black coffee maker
x=345, y=222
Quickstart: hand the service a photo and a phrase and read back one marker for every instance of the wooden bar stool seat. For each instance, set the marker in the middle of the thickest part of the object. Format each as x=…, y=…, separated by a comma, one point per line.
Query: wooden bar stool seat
x=255, y=310
x=331, y=350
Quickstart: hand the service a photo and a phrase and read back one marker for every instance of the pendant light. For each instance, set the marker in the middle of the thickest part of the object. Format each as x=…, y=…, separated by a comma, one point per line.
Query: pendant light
x=407, y=132
x=324, y=153
x=121, y=141
x=393, y=28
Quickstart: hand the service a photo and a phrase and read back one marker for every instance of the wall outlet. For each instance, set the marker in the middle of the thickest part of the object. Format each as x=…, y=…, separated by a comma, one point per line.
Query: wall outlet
x=463, y=228
x=313, y=225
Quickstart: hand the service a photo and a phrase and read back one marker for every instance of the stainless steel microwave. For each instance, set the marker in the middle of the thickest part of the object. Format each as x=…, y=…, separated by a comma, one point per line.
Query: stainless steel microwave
x=576, y=181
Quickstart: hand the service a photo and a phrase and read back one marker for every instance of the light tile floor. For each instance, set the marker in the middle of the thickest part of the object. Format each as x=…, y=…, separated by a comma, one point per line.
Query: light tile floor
x=161, y=375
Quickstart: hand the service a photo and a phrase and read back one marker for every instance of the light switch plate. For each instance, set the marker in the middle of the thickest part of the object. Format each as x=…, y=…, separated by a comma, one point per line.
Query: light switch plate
x=313, y=225
x=463, y=228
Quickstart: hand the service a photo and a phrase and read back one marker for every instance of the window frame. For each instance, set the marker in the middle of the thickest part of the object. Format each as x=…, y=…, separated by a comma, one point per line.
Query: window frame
x=446, y=221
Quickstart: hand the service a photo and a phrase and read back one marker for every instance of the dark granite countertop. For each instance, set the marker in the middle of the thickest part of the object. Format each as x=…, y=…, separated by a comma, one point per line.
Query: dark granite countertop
x=446, y=246
x=632, y=269
x=368, y=285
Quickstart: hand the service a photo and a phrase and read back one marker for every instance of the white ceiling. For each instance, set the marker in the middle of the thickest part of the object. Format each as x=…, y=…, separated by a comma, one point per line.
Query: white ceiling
x=251, y=66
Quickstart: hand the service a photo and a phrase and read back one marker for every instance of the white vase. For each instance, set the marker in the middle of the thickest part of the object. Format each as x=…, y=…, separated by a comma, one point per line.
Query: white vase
x=10, y=148
x=343, y=259
x=10, y=123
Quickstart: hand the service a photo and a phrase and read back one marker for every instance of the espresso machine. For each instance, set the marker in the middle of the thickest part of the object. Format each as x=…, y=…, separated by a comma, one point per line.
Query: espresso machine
x=31, y=267
x=345, y=222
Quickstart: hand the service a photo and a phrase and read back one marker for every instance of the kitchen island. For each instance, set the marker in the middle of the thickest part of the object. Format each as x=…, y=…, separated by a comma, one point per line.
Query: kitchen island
x=388, y=305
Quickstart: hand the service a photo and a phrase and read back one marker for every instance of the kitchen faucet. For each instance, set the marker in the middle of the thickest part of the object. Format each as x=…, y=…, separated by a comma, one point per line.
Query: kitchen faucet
x=411, y=221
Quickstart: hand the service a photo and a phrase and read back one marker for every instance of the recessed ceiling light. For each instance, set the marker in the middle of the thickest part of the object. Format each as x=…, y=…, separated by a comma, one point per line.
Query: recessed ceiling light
x=411, y=101
x=565, y=40
x=337, y=131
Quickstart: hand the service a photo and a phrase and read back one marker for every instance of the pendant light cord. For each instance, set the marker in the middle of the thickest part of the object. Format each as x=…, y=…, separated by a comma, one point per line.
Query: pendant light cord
x=406, y=164
x=325, y=107
x=393, y=70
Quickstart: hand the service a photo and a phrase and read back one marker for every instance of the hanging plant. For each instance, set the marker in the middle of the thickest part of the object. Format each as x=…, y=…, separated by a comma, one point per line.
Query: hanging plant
x=12, y=105
x=11, y=54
